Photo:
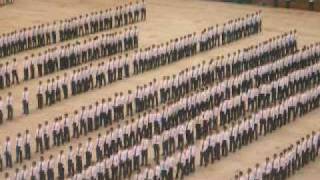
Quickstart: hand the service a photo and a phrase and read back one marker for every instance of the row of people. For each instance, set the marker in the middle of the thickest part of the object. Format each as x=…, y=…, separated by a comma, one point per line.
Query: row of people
x=189, y=45
x=68, y=56
x=71, y=28
x=287, y=162
x=183, y=164
x=121, y=164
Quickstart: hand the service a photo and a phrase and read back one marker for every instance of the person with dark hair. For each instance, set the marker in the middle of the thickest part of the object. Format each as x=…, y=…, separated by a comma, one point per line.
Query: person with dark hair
x=60, y=161
x=10, y=106
x=27, y=145
x=19, y=142
x=25, y=101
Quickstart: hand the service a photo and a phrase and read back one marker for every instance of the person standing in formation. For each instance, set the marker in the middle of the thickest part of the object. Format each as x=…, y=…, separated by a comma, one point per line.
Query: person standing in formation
x=25, y=101
x=19, y=142
x=7, y=153
x=9, y=106
x=27, y=145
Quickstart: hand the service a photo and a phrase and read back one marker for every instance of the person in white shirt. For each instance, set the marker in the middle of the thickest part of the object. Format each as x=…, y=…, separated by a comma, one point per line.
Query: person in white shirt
x=142, y=6
x=15, y=77
x=144, y=152
x=89, y=150
x=99, y=148
x=39, y=139
x=7, y=74
x=24, y=173
x=65, y=126
x=48, y=90
x=225, y=142
x=70, y=162
x=156, y=141
x=47, y=131
x=34, y=171
x=50, y=168
x=27, y=145
x=79, y=154
x=64, y=85
x=115, y=166
x=42, y=168
x=258, y=172
x=123, y=170
x=9, y=106
x=55, y=132
x=26, y=65
x=315, y=140
x=83, y=120
x=19, y=143
x=75, y=125
x=204, y=152
x=19, y=174
x=40, y=92
x=25, y=101
x=60, y=161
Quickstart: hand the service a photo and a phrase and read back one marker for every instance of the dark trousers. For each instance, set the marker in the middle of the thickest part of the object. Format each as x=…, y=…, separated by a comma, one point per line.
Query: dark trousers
x=79, y=165
x=88, y=158
x=40, y=101
x=8, y=159
x=50, y=174
x=18, y=154
x=60, y=171
x=25, y=107
x=46, y=140
x=1, y=117
x=39, y=145
x=9, y=112
x=27, y=151
x=156, y=149
x=70, y=168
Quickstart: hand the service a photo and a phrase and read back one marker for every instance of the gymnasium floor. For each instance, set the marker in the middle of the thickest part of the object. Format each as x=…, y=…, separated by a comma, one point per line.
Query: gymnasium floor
x=166, y=19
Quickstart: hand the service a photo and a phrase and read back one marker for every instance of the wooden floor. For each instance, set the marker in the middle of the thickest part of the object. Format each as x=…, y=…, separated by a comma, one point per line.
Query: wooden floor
x=166, y=19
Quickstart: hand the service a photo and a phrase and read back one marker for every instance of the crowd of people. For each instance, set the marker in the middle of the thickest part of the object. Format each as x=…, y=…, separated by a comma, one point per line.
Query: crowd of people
x=156, y=131
x=146, y=134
